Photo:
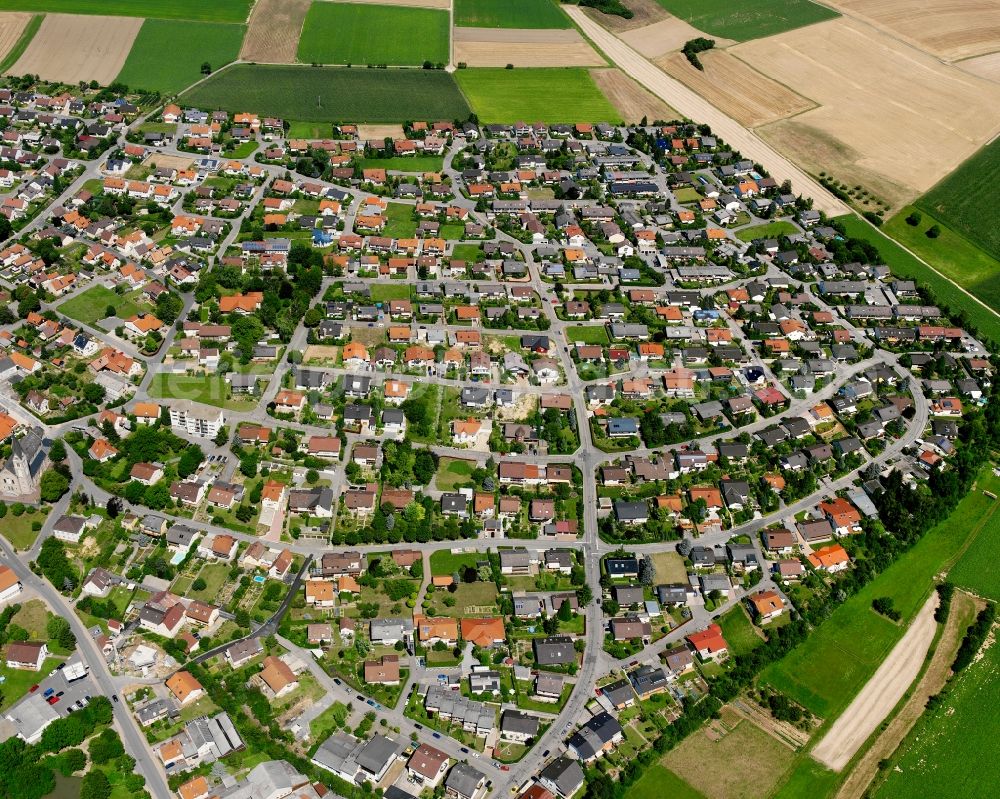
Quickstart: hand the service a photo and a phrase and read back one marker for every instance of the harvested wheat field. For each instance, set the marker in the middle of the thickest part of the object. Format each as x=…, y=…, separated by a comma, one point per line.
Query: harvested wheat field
x=632, y=100
x=12, y=25
x=949, y=29
x=888, y=108
x=545, y=47
x=71, y=48
x=985, y=66
x=733, y=87
x=273, y=33
x=666, y=36
x=644, y=13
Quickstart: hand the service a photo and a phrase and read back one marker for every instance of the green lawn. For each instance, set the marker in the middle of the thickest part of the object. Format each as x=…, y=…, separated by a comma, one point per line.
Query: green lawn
x=414, y=163
x=308, y=94
x=215, y=576
x=943, y=290
x=657, y=782
x=509, y=14
x=453, y=472
x=933, y=760
x=17, y=529
x=826, y=671
x=355, y=33
x=383, y=292
x=951, y=254
x=747, y=19
x=190, y=44
x=22, y=42
x=215, y=11
x=966, y=200
x=807, y=779
x=739, y=631
x=309, y=130
x=400, y=223
x=444, y=562
x=769, y=231
x=587, y=334
x=207, y=389
x=976, y=569
x=535, y=95
x=89, y=307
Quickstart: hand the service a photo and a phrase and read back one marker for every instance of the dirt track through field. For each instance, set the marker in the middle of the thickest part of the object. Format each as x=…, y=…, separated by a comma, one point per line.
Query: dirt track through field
x=71, y=48
x=632, y=101
x=734, y=87
x=950, y=29
x=881, y=693
x=12, y=25
x=963, y=607
x=272, y=36
x=687, y=102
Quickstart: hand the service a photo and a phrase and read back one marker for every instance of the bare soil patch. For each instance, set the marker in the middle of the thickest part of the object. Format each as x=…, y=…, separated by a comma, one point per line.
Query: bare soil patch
x=880, y=694
x=320, y=352
x=12, y=25
x=478, y=47
x=963, y=609
x=893, y=110
x=666, y=36
x=950, y=29
x=157, y=160
x=734, y=87
x=71, y=48
x=645, y=13
x=985, y=66
x=272, y=36
x=380, y=132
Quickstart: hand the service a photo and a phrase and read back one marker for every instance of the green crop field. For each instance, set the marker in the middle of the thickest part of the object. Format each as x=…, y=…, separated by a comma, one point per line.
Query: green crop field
x=934, y=759
x=215, y=11
x=310, y=94
x=190, y=44
x=535, y=95
x=348, y=33
x=826, y=671
x=966, y=200
x=976, y=569
x=950, y=253
x=747, y=19
x=943, y=290
x=509, y=14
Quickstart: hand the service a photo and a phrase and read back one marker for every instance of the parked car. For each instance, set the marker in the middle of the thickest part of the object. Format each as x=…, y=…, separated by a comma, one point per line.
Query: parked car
x=437, y=735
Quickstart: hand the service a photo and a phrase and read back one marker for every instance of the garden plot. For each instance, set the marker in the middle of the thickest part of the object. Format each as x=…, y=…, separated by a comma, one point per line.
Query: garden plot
x=273, y=33
x=71, y=48
x=523, y=47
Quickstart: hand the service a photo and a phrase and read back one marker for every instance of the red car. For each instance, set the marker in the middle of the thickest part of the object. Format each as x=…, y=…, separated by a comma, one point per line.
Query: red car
x=505, y=768
x=53, y=699
x=32, y=689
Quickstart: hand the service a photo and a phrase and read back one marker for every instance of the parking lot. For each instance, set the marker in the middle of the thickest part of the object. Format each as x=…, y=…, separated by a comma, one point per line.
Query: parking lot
x=66, y=695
